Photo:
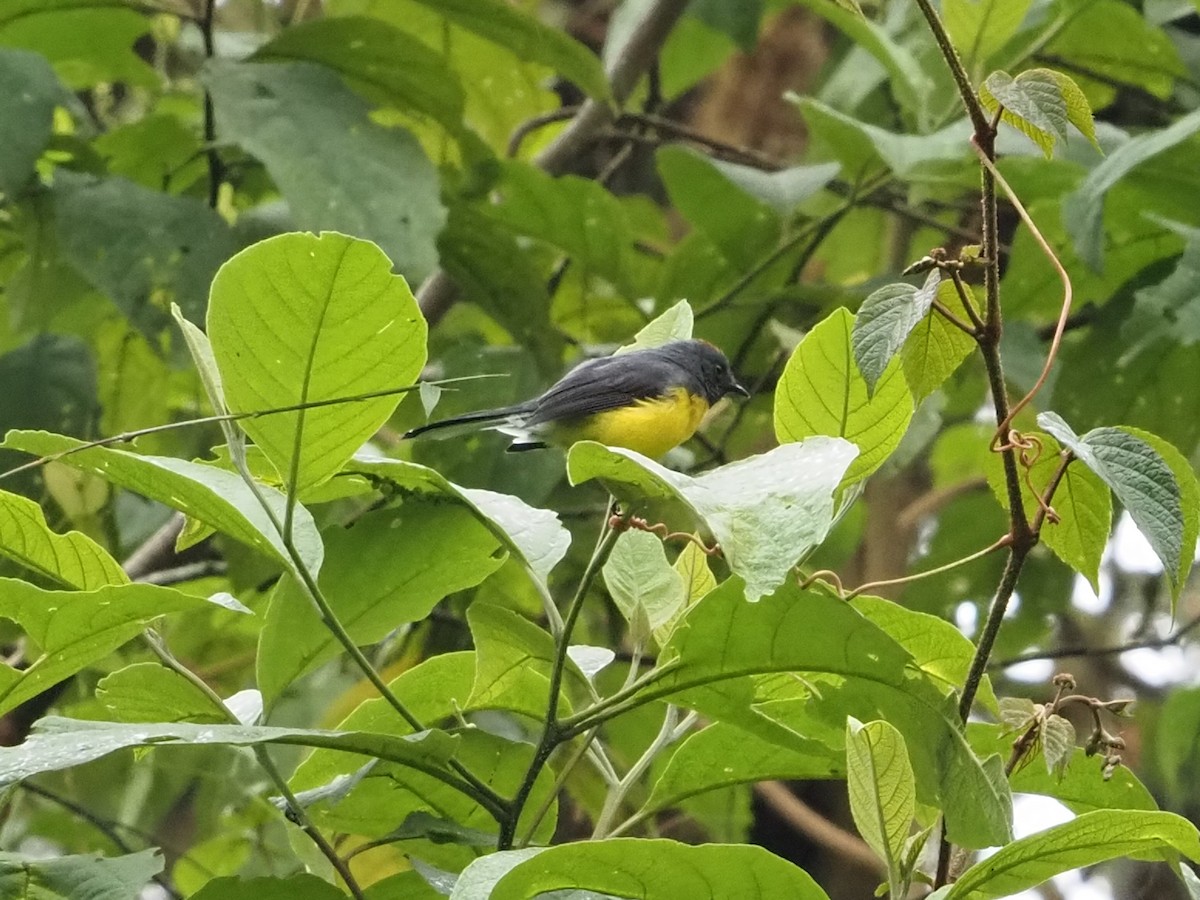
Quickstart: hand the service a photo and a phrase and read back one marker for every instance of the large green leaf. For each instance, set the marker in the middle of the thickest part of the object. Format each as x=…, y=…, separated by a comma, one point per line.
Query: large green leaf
x=883, y=794
x=823, y=393
x=720, y=643
x=72, y=629
x=57, y=743
x=722, y=755
x=217, y=497
x=337, y=169
x=90, y=877
x=1142, y=480
x=390, y=568
x=299, y=319
x=654, y=870
x=72, y=560
x=535, y=536
x=28, y=94
x=383, y=62
x=938, y=648
x=1033, y=103
x=87, y=42
x=1083, y=210
x=1089, y=839
x=767, y=512
x=132, y=243
x=150, y=692
x=503, y=87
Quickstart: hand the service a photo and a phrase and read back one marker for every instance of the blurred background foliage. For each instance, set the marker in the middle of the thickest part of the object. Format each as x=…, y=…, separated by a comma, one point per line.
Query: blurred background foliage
x=781, y=159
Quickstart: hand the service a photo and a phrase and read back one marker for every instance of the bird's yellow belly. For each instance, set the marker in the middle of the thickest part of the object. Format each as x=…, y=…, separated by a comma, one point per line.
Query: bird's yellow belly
x=651, y=427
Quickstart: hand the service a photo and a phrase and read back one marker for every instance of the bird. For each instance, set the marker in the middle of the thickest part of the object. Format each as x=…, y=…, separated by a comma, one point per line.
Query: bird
x=648, y=400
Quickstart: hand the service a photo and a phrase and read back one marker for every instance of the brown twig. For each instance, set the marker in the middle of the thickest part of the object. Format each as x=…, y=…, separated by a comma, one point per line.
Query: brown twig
x=1109, y=650
x=813, y=825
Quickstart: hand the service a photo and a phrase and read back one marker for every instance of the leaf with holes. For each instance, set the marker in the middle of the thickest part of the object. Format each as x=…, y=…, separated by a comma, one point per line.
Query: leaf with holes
x=300, y=318
x=884, y=322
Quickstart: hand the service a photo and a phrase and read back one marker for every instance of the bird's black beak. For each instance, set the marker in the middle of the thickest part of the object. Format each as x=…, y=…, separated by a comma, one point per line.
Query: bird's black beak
x=735, y=387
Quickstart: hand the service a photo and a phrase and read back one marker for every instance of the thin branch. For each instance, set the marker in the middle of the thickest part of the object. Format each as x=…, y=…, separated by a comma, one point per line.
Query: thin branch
x=552, y=734
x=529, y=126
x=974, y=110
x=816, y=827
x=1064, y=311
x=1096, y=652
x=104, y=826
x=216, y=171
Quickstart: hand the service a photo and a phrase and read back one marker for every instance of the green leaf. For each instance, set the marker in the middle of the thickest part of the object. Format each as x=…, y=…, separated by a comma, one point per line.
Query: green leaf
x=978, y=28
x=390, y=568
x=1143, y=482
x=1189, y=493
x=338, y=169
x=432, y=690
x=535, y=536
x=150, y=692
x=675, y=324
x=1033, y=103
x=57, y=743
x=767, y=512
x=528, y=38
x=1089, y=839
x=783, y=190
x=299, y=319
x=1083, y=210
x=1083, y=503
x=935, y=348
x=653, y=870
x=72, y=560
x=90, y=877
x=132, y=243
x=576, y=215
x=29, y=91
x=863, y=148
x=722, y=755
x=73, y=629
x=720, y=642
x=738, y=20
x=295, y=887
x=822, y=392
x=884, y=322
x=641, y=582
x=1079, y=111
x=514, y=659
x=883, y=794
x=380, y=61
x=909, y=82
x=87, y=41
x=215, y=496
x=938, y=648
x=740, y=225
x=493, y=271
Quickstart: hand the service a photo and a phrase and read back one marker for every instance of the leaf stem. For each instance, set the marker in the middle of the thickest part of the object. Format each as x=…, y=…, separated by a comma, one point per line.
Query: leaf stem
x=552, y=734
x=978, y=554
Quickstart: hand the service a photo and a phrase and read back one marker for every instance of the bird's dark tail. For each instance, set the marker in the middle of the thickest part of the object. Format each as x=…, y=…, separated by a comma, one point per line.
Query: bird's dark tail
x=471, y=421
